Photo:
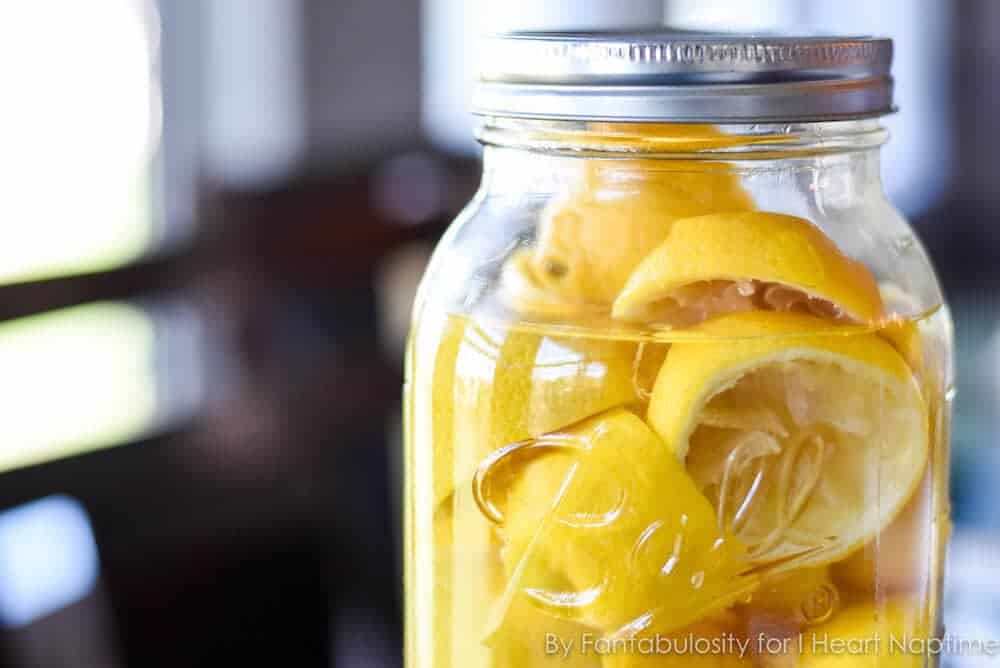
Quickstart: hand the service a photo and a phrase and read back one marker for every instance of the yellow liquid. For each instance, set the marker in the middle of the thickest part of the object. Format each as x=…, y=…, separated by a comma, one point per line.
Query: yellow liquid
x=477, y=384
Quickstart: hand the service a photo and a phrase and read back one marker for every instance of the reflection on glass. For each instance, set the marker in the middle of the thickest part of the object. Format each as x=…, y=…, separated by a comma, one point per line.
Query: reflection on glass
x=75, y=380
x=918, y=159
x=80, y=122
x=48, y=559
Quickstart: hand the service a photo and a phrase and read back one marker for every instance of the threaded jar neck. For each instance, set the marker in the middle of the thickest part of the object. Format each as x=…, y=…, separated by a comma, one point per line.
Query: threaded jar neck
x=758, y=141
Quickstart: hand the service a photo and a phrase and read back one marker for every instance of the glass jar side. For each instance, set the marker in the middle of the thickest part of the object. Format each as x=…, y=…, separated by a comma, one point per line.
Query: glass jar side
x=518, y=371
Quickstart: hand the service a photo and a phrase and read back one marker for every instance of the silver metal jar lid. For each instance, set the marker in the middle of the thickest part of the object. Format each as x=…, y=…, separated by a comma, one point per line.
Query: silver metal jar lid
x=682, y=76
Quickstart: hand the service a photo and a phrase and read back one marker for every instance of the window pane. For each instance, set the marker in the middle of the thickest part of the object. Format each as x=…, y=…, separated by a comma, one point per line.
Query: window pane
x=79, y=127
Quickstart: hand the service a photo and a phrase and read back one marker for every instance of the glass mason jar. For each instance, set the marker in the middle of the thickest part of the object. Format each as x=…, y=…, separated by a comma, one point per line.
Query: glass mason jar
x=679, y=376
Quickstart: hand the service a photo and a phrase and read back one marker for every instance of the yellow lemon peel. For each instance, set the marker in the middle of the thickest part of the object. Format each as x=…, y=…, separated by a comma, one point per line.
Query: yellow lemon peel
x=809, y=413
x=731, y=262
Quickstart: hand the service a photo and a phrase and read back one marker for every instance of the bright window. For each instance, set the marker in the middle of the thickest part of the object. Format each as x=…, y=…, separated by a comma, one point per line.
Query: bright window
x=80, y=123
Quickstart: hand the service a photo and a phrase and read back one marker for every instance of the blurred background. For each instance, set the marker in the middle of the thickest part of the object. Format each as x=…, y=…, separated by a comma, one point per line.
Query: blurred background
x=214, y=215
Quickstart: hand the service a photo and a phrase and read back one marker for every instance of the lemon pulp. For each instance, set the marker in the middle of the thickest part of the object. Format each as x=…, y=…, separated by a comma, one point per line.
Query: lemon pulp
x=780, y=431
x=731, y=262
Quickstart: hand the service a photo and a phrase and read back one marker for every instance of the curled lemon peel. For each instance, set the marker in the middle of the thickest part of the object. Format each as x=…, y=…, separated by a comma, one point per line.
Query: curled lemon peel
x=614, y=212
x=608, y=552
x=788, y=482
x=735, y=262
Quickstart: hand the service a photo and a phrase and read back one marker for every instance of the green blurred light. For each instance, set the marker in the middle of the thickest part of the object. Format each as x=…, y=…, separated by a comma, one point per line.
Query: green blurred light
x=75, y=380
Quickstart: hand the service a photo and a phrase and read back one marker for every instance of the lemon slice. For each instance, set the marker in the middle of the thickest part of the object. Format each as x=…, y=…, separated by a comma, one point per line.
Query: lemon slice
x=440, y=387
x=530, y=637
x=808, y=440
x=732, y=262
x=493, y=386
x=517, y=487
x=468, y=582
x=521, y=291
x=905, y=337
x=890, y=633
x=615, y=212
x=628, y=545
